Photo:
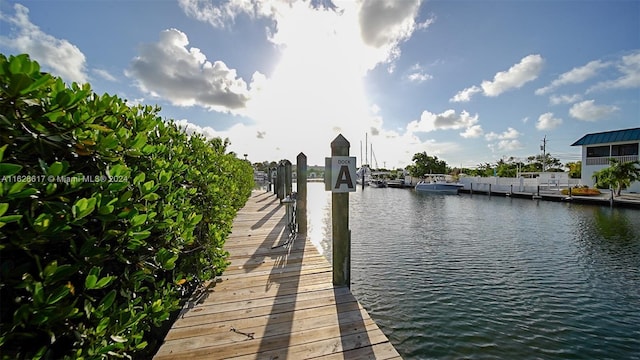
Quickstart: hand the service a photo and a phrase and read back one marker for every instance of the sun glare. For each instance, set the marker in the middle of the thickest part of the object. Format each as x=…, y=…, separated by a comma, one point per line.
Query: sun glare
x=316, y=89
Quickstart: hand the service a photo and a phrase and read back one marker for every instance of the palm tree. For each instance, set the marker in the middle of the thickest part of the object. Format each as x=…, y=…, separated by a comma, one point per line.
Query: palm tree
x=575, y=169
x=618, y=175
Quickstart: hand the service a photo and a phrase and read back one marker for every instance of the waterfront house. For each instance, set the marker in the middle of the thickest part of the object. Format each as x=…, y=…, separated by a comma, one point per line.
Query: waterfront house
x=598, y=148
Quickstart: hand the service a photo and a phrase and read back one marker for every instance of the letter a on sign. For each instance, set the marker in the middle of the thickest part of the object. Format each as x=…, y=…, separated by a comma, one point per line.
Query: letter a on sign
x=343, y=174
x=343, y=177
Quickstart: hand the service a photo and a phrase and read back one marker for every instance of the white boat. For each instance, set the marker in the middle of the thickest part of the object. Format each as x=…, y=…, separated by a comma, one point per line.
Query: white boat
x=402, y=182
x=377, y=182
x=363, y=174
x=438, y=183
x=396, y=183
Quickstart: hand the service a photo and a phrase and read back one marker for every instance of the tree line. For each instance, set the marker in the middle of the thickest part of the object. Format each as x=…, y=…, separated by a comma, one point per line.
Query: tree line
x=619, y=175
x=506, y=167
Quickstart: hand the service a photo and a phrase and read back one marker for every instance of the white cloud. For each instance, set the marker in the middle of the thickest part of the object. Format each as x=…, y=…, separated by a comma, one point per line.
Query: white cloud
x=104, y=74
x=564, y=99
x=505, y=145
x=425, y=24
x=519, y=74
x=191, y=128
x=135, y=101
x=473, y=131
x=60, y=56
x=629, y=67
x=221, y=13
x=417, y=74
x=509, y=134
x=446, y=120
x=508, y=140
x=466, y=94
x=574, y=76
x=184, y=76
x=547, y=121
x=589, y=111
x=387, y=22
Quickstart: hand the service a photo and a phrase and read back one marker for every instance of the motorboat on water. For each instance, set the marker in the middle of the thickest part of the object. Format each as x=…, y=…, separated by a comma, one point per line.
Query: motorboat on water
x=438, y=183
x=395, y=183
x=402, y=181
x=377, y=182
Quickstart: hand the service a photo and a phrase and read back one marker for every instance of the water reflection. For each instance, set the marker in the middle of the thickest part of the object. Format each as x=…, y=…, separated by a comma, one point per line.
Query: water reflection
x=481, y=277
x=319, y=218
x=615, y=224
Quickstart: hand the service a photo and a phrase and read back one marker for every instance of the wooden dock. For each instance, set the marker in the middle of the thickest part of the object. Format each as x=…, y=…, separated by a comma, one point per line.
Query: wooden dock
x=604, y=199
x=275, y=301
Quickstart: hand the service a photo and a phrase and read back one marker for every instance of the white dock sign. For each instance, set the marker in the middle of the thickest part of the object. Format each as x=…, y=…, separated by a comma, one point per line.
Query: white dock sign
x=343, y=174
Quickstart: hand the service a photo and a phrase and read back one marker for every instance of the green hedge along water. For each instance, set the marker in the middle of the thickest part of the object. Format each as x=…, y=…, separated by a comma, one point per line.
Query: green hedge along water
x=478, y=277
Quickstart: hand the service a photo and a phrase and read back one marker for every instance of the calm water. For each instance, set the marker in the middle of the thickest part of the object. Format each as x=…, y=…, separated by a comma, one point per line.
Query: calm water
x=478, y=277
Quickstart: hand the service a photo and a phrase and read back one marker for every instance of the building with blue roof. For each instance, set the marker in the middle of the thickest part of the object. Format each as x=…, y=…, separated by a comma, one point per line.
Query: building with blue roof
x=598, y=148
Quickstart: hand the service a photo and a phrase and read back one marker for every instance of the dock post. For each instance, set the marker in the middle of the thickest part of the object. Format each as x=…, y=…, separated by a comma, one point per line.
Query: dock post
x=301, y=199
x=511, y=190
x=340, y=224
x=489, y=190
x=274, y=174
x=471, y=189
x=280, y=181
x=288, y=178
x=537, y=194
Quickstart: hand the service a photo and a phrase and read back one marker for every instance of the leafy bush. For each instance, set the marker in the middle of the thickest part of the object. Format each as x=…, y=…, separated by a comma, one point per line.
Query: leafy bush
x=107, y=215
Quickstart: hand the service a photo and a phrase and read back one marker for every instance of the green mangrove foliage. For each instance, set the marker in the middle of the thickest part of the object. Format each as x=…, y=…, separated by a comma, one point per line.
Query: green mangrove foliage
x=108, y=215
x=619, y=175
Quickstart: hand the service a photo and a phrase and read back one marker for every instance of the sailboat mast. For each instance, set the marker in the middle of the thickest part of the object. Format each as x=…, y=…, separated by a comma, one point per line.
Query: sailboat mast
x=366, y=145
x=371, y=159
x=374, y=160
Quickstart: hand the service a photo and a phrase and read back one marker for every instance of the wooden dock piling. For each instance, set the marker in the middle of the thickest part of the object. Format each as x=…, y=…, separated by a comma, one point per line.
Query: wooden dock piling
x=340, y=224
x=301, y=207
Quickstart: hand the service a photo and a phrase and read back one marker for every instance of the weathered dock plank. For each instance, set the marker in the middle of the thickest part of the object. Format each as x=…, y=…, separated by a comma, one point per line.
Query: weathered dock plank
x=276, y=300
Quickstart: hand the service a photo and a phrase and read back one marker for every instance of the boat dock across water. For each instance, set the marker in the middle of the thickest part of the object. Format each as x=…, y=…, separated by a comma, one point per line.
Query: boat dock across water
x=630, y=200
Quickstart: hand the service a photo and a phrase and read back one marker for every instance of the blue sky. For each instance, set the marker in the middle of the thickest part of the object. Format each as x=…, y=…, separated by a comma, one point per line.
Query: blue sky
x=468, y=81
